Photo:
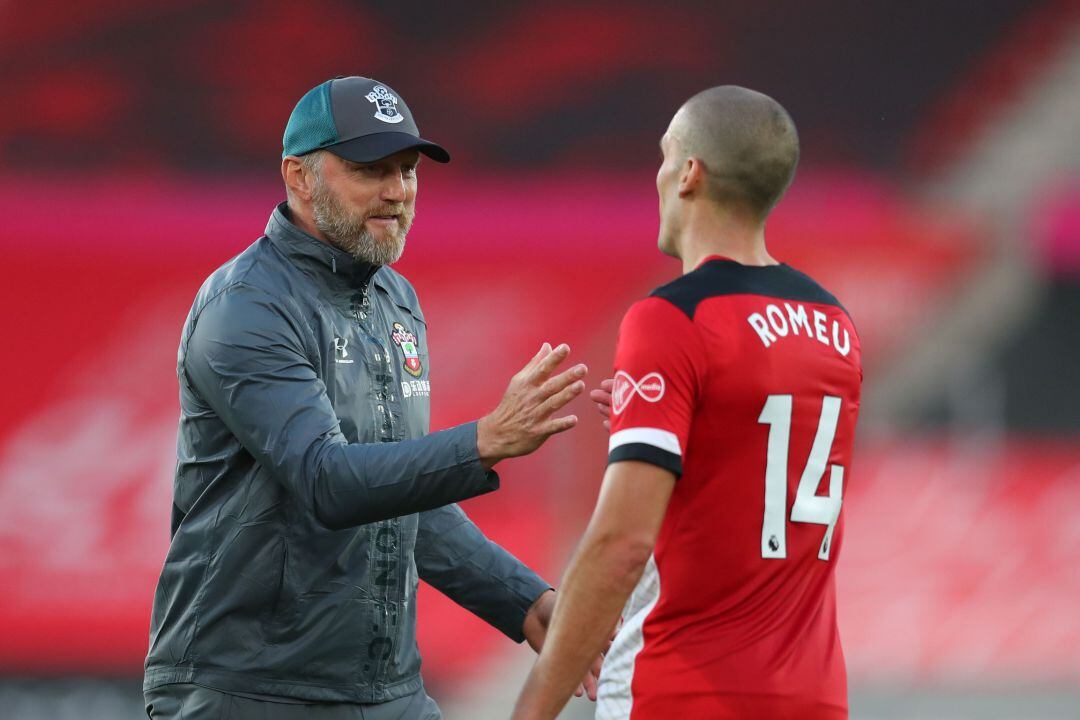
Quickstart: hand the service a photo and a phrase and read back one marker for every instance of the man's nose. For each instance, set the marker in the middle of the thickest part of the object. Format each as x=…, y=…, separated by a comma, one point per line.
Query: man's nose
x=393, y=189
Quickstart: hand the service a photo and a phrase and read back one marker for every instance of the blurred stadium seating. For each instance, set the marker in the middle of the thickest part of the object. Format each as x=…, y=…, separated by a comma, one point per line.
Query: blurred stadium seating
x=939, y=198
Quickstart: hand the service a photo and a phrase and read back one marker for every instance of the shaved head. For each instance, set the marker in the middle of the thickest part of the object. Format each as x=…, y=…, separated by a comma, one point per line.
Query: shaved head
x=746, y=141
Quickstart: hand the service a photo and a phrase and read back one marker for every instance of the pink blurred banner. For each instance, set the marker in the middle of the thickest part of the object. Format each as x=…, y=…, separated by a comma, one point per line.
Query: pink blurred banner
x=1056, y=228
x=949, y=564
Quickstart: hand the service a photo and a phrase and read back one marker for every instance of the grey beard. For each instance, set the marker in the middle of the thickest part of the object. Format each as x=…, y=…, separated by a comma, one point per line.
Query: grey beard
x=348, y=232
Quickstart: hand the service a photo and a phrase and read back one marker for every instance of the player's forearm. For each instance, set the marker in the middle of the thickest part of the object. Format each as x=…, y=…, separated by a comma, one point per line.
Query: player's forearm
x=360, y=483
x=600, y=578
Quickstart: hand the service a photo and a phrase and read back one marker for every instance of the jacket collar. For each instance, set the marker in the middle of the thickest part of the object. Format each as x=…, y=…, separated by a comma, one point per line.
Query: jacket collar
x=337, y=267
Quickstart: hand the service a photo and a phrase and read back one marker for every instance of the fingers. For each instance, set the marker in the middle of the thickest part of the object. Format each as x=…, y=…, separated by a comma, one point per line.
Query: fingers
x=590, y=685
x=549, y=362
x=544, y=351
x=607, y=424
x=561, y=398
x=558, y=425
x=563, y=379
x=602, y=397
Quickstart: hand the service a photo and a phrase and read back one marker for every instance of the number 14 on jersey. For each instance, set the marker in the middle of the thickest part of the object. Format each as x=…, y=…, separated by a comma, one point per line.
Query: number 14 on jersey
x=808, y=507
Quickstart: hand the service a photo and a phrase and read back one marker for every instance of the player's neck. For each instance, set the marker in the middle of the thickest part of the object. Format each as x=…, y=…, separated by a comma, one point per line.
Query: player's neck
x=730, y=236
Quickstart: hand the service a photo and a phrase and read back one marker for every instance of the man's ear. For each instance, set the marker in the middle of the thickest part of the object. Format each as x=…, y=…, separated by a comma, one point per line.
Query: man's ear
x=298, y=179
x=691, y=177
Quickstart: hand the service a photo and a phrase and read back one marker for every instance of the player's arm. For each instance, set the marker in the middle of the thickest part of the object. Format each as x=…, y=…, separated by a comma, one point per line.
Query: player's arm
x=247, y=359
x=602, y=574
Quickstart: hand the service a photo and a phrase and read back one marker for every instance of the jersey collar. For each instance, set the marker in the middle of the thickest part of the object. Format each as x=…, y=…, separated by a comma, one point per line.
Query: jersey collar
x=723, y=258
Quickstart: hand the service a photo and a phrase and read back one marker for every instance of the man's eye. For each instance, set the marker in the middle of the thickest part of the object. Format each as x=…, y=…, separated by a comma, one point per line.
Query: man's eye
x=409, y=169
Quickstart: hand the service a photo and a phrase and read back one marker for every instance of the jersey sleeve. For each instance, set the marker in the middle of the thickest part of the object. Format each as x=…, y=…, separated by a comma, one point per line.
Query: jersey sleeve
x=659, y=367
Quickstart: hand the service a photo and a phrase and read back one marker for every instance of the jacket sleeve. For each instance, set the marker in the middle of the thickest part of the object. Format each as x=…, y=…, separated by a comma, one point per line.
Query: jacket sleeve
x=456, y=558
x=245, y=358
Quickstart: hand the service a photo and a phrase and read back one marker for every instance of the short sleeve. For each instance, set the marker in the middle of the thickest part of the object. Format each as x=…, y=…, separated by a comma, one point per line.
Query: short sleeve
x=659, y=363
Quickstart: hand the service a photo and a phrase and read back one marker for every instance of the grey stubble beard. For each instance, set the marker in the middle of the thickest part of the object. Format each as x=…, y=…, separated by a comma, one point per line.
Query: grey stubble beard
x=347, y=231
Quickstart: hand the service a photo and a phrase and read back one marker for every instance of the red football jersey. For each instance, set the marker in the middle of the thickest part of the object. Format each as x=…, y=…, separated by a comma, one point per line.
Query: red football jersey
x=744, y=382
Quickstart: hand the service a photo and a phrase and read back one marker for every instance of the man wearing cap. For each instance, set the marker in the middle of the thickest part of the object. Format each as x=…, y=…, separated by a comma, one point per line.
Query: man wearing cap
x=309, y=497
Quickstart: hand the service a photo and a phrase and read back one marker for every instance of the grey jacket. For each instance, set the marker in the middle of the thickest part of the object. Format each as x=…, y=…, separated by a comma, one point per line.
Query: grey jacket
x=309, y=497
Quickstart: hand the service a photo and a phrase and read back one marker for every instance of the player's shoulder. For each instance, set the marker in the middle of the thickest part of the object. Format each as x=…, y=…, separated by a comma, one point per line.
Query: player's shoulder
x=652, y=318
x=249, y=285
x=720, y=277
x=652, y=312
x=238, y=272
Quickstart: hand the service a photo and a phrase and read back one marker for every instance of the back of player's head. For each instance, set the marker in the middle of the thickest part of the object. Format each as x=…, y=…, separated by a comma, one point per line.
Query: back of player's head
x=746, y=141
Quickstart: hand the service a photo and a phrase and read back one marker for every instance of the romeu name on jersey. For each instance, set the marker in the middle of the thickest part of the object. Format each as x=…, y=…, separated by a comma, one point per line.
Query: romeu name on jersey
x=744, y=382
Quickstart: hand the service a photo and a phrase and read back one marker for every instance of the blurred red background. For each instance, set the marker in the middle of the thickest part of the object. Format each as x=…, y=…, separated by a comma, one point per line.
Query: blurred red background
x=139, y=149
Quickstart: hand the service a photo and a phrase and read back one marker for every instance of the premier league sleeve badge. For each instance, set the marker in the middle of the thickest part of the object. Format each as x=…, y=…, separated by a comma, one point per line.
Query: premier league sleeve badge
x=410, y=349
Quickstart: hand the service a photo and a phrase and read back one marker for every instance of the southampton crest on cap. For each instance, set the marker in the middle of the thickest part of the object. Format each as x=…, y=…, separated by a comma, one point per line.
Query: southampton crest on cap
x=405, y=340
x=385, y=105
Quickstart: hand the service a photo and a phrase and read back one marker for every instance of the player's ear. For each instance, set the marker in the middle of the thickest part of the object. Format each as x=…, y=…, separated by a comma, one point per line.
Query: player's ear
x=298, y=179
x=692, y=177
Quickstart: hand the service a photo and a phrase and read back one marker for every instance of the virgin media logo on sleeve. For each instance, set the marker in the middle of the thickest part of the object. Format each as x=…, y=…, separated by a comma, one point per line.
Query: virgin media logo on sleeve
x=650, y=388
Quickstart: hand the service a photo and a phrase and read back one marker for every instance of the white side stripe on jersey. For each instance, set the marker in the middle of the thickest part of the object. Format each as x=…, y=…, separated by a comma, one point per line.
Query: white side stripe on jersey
x=615, y=697
x=663, y=439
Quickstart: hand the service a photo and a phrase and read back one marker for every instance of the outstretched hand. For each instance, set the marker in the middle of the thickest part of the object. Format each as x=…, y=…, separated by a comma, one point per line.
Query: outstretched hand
x=602, y=397
x=523, y=419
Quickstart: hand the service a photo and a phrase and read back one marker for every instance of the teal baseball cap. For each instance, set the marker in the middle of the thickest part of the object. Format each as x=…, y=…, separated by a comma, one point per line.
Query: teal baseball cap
x=356, y=118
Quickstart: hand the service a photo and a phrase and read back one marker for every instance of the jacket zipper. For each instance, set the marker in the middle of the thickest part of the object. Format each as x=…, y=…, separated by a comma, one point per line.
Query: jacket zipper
x=382, y=665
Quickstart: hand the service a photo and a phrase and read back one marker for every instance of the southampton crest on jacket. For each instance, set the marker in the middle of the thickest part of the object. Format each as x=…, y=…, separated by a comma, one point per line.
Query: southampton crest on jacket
x=405, y=340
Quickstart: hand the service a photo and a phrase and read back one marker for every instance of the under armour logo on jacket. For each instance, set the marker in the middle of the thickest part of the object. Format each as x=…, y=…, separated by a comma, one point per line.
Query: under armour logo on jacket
x=341, y=353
